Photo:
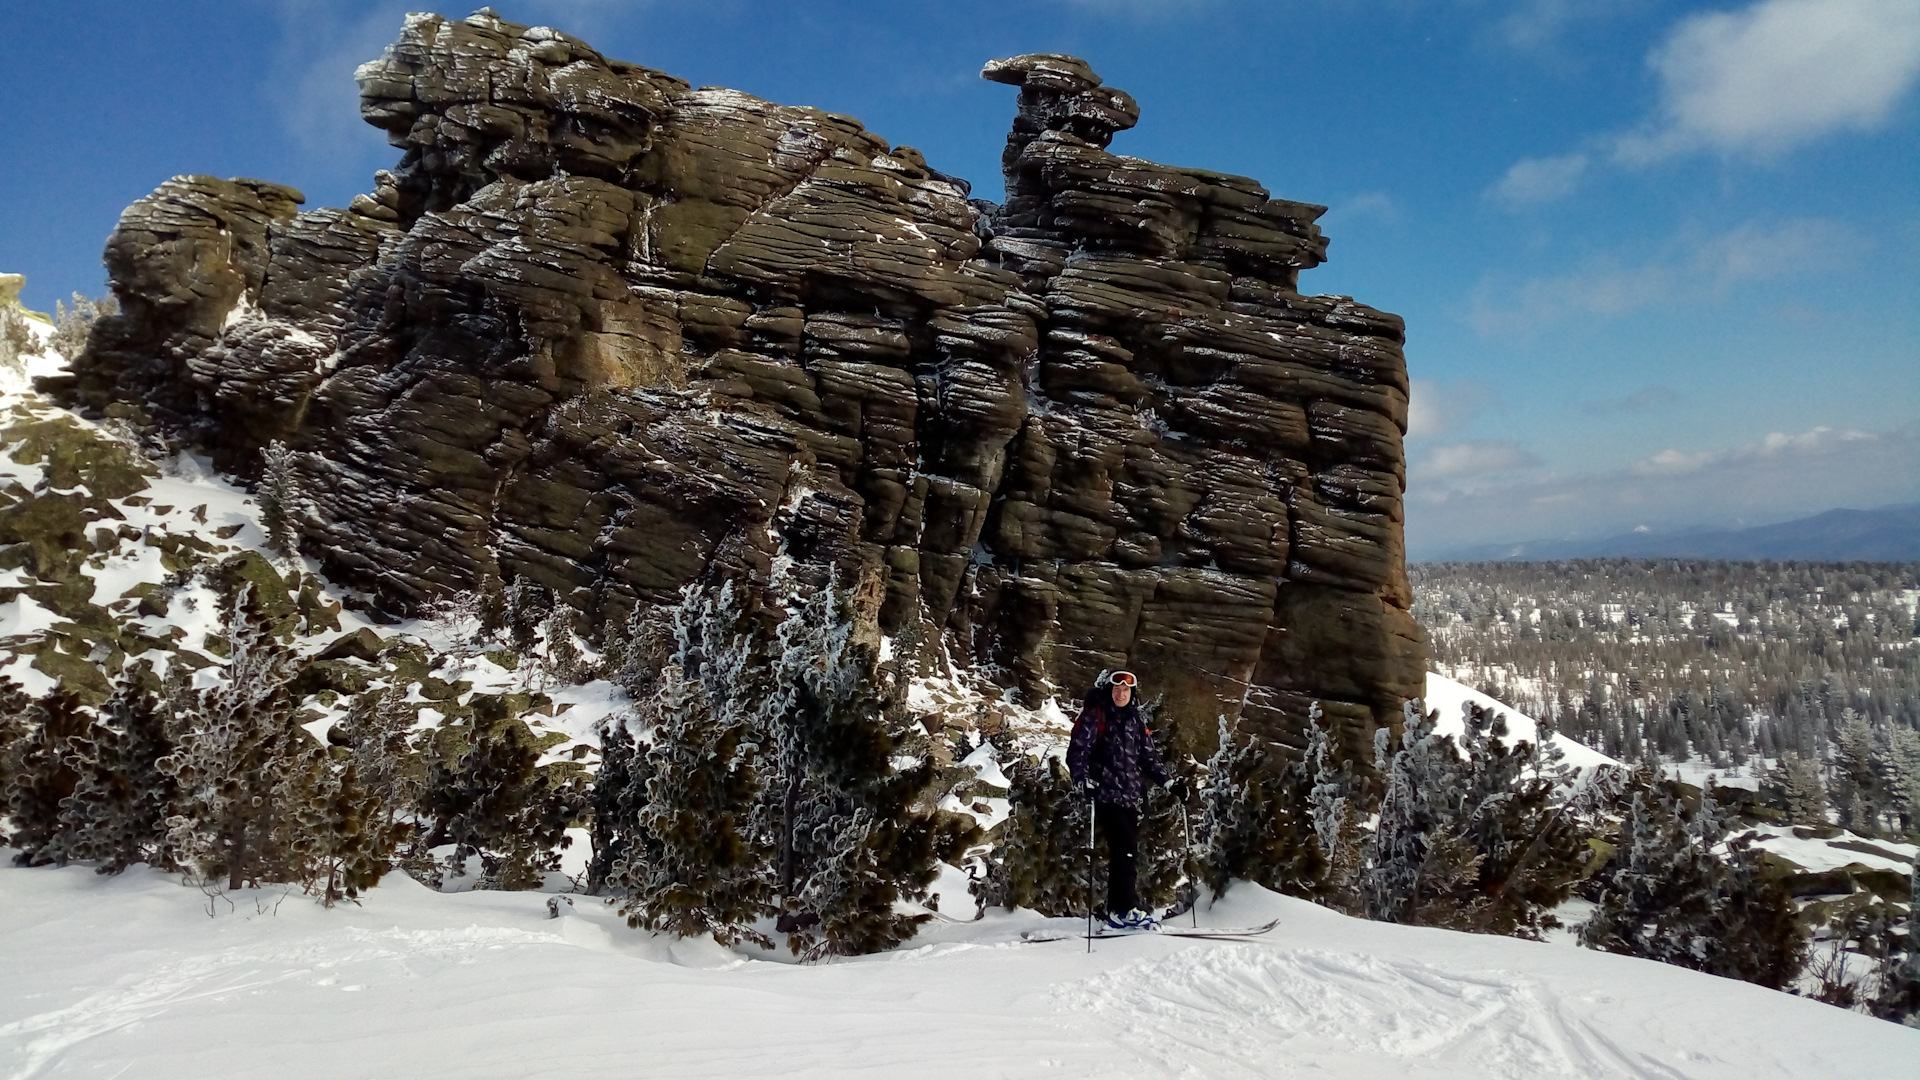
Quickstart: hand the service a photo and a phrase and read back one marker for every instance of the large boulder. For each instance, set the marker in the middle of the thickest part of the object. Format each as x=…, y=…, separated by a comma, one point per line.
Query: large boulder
x=607, y=333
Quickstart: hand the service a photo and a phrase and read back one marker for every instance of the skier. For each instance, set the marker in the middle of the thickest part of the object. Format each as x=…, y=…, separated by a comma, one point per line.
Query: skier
x=1110, y=751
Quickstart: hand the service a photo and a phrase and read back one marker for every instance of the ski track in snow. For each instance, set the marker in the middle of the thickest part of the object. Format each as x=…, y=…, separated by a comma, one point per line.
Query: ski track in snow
x=393, y=953
x=1250, y=1011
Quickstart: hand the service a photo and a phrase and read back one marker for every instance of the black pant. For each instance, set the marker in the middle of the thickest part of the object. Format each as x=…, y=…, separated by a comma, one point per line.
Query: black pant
x=1120, y=826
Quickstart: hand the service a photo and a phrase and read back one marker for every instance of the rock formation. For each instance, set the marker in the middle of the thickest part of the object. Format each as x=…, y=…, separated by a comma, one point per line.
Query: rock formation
x=607, y=332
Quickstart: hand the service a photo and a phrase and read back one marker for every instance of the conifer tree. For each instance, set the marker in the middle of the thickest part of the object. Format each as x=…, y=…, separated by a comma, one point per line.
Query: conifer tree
x=378, y=732
x=280, y=498
x=619, y=794
x=1335, y=812
x=1423, y=866
x=694, y=855
x=527, y=608
x=240, y=765
x=700, y=870
x=40, y=774
x=487, y=795
x=1794, y=785
x=851, y=840
x=117, y=812
x=1670, y=895
x=341, y=834
x=72, y=326
x=1256, y=819
x=1854, y=791
x=1042, y=860
x=1169, y=869
x=1896, y=994
x=565, y=663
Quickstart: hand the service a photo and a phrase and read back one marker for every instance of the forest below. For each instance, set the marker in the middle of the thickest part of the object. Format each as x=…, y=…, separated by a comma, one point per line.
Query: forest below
x=1805, y=676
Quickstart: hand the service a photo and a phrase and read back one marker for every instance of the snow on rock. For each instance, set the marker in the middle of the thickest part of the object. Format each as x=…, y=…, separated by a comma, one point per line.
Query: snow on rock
x=1818, y=856
x=1450, y=696
x=139, y=976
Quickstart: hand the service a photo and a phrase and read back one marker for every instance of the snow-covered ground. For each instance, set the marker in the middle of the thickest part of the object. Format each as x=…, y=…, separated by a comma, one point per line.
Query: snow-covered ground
x=138, y=976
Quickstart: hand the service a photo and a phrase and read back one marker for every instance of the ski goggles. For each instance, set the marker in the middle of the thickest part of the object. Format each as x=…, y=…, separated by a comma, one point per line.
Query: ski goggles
x=1124, y=678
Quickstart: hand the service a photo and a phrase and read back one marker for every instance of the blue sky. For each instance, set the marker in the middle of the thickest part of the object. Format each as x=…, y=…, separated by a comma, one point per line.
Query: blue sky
x=1660, y=262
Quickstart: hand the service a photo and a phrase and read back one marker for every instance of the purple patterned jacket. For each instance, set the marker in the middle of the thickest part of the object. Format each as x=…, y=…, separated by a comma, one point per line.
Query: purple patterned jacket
x=1114, y=744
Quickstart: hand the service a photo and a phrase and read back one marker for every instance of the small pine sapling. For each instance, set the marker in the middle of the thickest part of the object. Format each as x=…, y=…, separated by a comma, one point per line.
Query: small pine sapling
x=280, y=498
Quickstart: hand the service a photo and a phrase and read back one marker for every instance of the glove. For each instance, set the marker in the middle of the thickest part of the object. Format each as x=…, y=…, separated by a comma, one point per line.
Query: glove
x=1179, y=790
x=1087, y=787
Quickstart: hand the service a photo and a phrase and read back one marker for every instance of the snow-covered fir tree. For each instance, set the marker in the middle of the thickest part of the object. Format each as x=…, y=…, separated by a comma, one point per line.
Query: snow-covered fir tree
x=1044, y=859
x=677, y=820
x=1170, y=863
x=1794, y=784
x=851, y=841
x=1336, y=812
x=1475, y=835
x=116, y=815
x=486, y=794
x=1676, y=890
x=1423, y=866
x=618, y=796
x=1255, y=816
x=241, y=766
x=699, y=865
x=39, y=773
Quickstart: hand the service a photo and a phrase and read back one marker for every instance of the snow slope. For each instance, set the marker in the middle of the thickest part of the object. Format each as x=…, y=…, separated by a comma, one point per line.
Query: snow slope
x=1449, y=696
x=132, y=976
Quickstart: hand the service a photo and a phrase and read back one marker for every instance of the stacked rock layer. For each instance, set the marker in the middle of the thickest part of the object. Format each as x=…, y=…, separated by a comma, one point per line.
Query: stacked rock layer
x=608, y=333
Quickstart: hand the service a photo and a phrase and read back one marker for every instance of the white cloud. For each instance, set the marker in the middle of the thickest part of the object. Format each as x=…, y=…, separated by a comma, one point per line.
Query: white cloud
x=317, y=99
x=1778, y=74
x=1463, y=459
x=1645, y=399
x=1434, y=409
x=1694, y=269
x=1538, y=24
x=1815, y=442
x=1537, y=180
x=1775, y=477
x=1366, y=204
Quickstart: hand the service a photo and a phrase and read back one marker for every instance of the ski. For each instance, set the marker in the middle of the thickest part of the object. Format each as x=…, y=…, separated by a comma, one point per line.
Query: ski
x=1212, y=933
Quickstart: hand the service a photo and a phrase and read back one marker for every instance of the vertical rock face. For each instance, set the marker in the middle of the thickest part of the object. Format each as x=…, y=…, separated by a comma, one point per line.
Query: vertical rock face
x=609, y=333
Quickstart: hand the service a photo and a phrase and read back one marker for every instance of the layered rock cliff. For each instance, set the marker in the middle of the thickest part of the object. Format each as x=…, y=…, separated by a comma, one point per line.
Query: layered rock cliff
x=609, y=333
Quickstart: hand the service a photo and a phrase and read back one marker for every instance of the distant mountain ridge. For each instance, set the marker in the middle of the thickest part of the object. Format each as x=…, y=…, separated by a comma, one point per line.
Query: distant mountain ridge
x=1889, y=534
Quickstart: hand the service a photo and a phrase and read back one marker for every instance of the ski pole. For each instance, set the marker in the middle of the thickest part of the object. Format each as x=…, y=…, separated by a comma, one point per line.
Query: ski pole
x=1090, y=843
x=1193, y=906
